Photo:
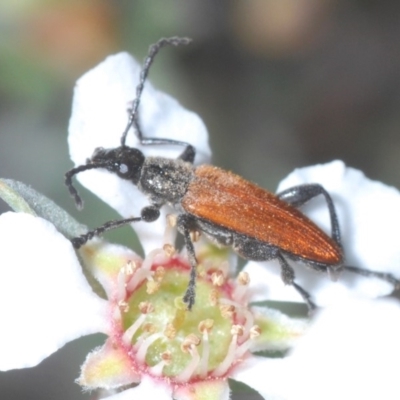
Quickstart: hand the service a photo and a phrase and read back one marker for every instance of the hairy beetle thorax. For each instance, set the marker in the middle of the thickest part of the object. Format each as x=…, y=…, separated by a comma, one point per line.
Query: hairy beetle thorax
x=165, y=180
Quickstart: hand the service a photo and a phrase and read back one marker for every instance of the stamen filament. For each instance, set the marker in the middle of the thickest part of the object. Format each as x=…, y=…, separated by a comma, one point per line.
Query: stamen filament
x=145, y=270
x=145, y=344
x=243, y=348
x=249, y=317
x=157, y=369
x=241, y=290
x=204, y=328
x=189, y=370
x=255, y=331
x=230, y=356
x=129, y=333
x=121, y=284
x=203, y=366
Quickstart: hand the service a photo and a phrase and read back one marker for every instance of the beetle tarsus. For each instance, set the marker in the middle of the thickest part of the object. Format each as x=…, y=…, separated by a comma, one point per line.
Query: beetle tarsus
x=306, y=297
x=184, y=225
x=287, y=275
x=190, y=294
x=385, y=276
x=79, y=241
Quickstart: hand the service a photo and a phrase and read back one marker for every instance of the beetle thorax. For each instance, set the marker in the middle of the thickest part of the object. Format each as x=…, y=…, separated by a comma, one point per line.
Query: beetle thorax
x=165, y=180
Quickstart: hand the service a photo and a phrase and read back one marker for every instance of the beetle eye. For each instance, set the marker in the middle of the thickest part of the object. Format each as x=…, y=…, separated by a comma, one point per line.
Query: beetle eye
x=123, y=168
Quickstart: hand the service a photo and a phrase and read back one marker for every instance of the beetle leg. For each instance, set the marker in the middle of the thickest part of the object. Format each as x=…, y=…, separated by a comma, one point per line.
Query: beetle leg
x=188, y=154
x=133, y=112
x=299, y=195
x=148, y=214
x=306, y=297
x=133, y=121
x=288, y=276
x=185, y=225
x=374, y=274
x=79, y=241
x=253, y=249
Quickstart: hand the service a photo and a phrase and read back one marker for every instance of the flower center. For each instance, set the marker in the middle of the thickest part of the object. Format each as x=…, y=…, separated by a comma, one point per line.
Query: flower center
x=164, y=339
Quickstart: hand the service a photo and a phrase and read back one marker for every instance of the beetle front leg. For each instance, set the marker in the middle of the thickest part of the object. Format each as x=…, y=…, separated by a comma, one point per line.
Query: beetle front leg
x=148, y=214
x=188, y=154
x=185, y=225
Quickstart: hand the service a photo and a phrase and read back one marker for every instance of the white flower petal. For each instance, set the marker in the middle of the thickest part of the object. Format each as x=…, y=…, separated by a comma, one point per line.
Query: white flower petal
x=278, y=331
x=45, y=300
x=147, y=389
x=104, y=261
x=350, y=352
x=99, y=116
x=266, y=282
x=369, y=219
x=252, y=372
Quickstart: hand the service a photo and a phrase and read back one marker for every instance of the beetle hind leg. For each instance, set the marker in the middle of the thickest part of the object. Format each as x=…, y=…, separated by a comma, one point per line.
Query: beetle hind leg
x=385, y=276
x=189, y=151
x=301, y=194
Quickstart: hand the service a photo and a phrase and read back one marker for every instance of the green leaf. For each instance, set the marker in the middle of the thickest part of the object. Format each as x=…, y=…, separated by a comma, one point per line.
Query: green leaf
x=23, y=198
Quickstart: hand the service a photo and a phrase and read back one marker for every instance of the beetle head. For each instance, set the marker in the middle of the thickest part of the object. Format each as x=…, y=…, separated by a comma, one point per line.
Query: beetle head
x=124, y=161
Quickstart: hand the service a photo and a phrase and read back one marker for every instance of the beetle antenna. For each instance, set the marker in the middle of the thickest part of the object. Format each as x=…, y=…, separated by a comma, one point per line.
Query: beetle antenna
x=68, y=181
x=153, y=50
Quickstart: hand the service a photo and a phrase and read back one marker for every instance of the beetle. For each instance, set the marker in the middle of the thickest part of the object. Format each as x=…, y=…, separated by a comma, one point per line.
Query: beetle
x=226, y=208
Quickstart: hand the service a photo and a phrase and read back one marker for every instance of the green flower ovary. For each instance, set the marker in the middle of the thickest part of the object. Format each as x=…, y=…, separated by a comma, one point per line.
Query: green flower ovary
x=168, y=309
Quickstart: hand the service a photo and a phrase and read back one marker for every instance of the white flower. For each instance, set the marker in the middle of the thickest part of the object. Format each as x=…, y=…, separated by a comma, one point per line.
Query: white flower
x=153, y=340
x=143, y=315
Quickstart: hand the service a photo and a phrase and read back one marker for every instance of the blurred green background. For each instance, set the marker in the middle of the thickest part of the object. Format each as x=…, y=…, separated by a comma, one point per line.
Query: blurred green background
x=280, y=84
